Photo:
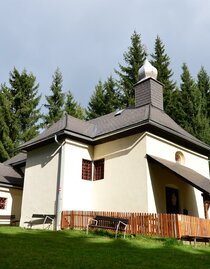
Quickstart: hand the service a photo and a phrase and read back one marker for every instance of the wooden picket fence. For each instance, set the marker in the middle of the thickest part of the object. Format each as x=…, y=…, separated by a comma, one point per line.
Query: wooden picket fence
x=192, y=226
x=164, y=225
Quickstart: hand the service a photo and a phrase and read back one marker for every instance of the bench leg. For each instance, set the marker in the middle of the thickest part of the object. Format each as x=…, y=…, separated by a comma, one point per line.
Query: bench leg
x=124, y=234
x=45, y=222
x=117, y=229
x=29, y=224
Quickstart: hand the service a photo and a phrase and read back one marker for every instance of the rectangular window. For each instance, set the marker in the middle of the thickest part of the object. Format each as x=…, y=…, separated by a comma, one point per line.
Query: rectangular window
x=98, y=169
x=3, y=203
x=86, y=169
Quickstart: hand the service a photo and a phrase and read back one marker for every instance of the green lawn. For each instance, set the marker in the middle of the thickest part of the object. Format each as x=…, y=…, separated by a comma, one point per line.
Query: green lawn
x=73, y=249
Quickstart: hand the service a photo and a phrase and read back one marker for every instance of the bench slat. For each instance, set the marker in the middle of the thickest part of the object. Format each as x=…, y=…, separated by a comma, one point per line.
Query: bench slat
x=105, y=218
x=111, y=223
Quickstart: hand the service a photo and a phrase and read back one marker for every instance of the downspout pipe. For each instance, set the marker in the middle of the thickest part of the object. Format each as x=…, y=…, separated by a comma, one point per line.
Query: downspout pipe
x=59, y=194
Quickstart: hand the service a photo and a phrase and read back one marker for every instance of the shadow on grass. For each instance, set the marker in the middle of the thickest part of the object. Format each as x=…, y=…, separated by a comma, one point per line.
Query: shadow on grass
x=74, y=249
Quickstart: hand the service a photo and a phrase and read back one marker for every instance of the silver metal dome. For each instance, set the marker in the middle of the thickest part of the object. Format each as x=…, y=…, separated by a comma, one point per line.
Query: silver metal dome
x=147, y=71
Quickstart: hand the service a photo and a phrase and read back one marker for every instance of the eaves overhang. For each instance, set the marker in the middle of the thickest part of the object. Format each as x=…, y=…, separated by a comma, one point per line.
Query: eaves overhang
x=7, y=185
x=145, y=125
x=178, y=138
x=159, y=130
x=50, y=139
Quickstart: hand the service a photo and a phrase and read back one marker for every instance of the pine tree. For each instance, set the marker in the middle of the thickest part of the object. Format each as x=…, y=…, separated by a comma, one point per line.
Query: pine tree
x=73, y=108
x=97, y=103
x=105, y=99
x=128, y=75
x=177, y=110
x=7, y=125
x=203, y=119
x=192, y=119
x=203, y=82
x=55, y=102
x=161, y=62
x=202, y=127
x=19, y=114
x=23, y=90
x=111, y=95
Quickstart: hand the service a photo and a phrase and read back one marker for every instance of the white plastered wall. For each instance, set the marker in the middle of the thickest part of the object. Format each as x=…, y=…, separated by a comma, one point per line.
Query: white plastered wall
x=76, y=192
x=126, y=187
x=166, y=150
x=40, y=183
x=123, y=188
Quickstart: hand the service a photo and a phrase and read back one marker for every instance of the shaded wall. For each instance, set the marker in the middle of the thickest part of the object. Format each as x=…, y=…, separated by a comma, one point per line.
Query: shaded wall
x=14, y=200
x=40, y=184
x=162, y=178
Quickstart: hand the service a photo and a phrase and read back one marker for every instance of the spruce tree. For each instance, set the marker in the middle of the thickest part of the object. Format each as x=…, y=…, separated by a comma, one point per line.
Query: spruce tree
x=203, y=82
x=190, y=100
x=128, y=75
x=55, y=101
x=111, y=95
x=105, y=99
x=161, y=62
x=7, y=125
x=25, y=101
x=176, y=109
x=19, y=114
x=193, y=118
x=73, y=108
x=97, y=103
x=202, y=127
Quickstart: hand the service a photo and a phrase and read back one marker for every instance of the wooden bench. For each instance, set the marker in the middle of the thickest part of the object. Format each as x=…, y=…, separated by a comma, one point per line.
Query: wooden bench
x=110, y=223
x=196, y=238
x=8, y=220
x=40, y=219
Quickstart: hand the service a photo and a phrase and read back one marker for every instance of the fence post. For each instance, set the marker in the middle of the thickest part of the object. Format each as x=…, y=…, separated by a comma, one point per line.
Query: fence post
x=62, y=224
x=178, y=235
x=132, y=224
x=72, y=220
x=176, y=226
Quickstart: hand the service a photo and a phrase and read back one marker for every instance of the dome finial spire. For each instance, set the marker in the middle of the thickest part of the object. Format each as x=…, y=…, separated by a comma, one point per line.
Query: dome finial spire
x=147, y=71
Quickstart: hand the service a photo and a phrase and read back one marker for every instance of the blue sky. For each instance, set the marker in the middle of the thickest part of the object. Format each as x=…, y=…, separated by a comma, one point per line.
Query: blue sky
x=86, y=39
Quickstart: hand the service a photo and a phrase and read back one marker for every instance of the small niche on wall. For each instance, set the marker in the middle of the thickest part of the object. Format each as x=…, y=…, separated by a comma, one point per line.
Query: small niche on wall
x=179, y=157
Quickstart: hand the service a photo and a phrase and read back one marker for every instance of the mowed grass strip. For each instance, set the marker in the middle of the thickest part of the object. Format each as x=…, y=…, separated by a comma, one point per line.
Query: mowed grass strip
x=36, y=249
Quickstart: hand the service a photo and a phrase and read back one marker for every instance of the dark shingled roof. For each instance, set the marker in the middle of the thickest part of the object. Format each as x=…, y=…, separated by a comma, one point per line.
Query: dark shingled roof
x=9, y=177
x=18, y=159
x=110, y=126
x=188, y=175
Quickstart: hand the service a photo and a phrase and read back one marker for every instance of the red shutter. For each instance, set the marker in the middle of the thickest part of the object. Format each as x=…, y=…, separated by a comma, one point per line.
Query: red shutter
x=86, y=169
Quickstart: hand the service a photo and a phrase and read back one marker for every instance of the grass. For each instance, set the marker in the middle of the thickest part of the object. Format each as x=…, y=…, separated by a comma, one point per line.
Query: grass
x=36, y=249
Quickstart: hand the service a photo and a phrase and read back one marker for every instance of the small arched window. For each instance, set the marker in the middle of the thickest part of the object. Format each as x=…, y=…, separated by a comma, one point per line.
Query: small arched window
x=179, y=157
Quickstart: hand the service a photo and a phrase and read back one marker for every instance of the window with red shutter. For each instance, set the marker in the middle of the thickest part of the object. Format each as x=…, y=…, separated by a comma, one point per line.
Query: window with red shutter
x=98, y=169
x=98, y=172
x=3, y=203
x=86, y=169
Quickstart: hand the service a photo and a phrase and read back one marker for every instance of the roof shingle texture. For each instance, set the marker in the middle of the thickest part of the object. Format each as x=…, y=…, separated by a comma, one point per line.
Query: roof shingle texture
x=8, y=176
x=112, y=123
x=17, y=159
